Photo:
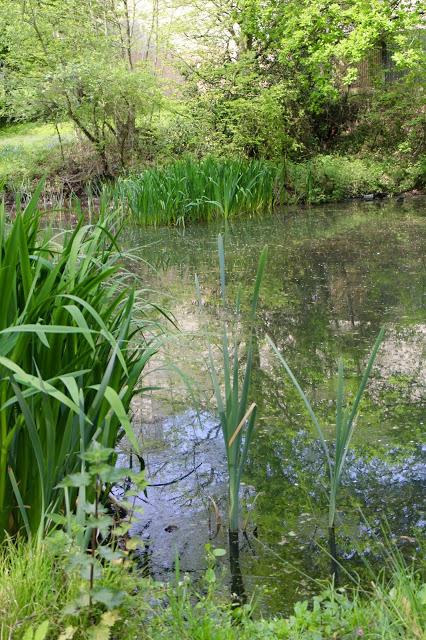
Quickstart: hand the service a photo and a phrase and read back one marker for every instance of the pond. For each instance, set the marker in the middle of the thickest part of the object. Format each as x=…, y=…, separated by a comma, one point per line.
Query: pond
x=335, y=274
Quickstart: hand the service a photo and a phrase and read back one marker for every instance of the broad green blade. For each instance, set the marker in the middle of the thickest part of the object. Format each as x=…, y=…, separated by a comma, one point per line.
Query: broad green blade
x=35, y=383
x=20, y=502
x=366, y=375
x=35, y=441
x=116, y=405
x=351, y=421
x=340, y=423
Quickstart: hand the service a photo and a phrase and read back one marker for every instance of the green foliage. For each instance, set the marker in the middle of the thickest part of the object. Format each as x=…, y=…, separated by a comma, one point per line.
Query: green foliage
x=391, y=120
x=42, y=584
x=188, y=191
x=291, y=69
x=87, y=74
x=36, y=584
x=94, y=523
x=346, y=418
x=65, y=329
x=261, y=80
x=29, y=151
x=329, y=178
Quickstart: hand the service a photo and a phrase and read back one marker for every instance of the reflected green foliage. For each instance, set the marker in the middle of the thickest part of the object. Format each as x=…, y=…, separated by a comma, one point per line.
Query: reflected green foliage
x=334, y=276
x=346, y=418
x=345, y=422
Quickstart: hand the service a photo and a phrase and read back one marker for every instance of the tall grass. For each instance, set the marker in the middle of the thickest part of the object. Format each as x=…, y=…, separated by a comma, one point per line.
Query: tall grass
x=191, y=190
x=36, y=586
x=232, y=389
x=345, y=423
x=188, y=190
x=66, y=323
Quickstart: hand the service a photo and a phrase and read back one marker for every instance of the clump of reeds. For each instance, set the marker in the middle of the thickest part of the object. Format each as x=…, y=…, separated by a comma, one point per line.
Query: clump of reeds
x=66, y=322
x=231, y=384
x=345, y=423
x=189, y=190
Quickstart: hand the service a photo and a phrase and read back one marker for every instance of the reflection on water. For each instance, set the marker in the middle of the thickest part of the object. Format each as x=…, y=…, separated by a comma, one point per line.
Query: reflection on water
x=334, y=276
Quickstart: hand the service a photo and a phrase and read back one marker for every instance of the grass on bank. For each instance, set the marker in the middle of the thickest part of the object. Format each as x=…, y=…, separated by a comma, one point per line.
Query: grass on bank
x=35, y=588
x=28, y=150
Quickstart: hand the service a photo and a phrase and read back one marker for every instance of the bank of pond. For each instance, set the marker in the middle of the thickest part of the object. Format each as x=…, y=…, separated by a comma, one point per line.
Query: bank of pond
x=182, y=191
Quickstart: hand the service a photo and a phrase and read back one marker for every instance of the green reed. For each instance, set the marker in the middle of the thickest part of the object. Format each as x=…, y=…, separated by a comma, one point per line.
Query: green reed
x=345, y=423
x=67, y=322
x=231, y=384
x=189, y=190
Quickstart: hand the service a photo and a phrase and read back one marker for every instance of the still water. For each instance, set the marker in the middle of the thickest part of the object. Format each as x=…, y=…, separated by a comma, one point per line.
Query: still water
x=334, y=276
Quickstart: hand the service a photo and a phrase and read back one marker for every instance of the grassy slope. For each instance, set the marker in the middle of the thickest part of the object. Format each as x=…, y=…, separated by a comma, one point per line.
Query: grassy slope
x=27, y=149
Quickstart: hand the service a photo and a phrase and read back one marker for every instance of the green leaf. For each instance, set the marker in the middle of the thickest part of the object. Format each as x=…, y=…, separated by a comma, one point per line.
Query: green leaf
x=41, y=631
x=82, y=479
x=210, y=576
x=36, y=383
x=306, y=403
x=20, y=502
x=117, y=406
x=110, y=598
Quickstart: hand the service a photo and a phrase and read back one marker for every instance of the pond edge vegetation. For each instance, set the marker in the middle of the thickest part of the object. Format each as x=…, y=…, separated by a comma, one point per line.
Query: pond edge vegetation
x=189, y=190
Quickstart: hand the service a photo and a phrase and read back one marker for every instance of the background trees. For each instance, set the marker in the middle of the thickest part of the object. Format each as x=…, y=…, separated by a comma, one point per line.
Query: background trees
x=260, y=78
x=296, y=76
x=76, y=60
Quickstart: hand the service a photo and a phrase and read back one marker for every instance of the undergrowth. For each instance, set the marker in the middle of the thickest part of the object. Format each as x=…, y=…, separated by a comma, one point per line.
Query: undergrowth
x=181, y=190
x=36, y=585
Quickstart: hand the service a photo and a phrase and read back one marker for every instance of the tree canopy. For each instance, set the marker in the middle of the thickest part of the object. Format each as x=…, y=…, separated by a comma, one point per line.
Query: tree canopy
x=265, y=78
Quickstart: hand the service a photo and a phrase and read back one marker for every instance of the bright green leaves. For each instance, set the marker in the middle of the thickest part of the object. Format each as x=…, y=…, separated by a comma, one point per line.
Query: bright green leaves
x=93, y=522
x=189, y=190
x=67, y=371
x=87, y=76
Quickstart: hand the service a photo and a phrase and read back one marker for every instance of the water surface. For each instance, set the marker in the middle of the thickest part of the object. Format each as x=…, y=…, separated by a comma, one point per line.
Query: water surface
x=335, y=275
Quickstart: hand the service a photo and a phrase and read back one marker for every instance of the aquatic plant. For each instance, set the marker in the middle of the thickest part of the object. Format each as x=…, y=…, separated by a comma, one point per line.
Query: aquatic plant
x=232, y=388
x=345, y=423
x=66, y=322
x=189, y=190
